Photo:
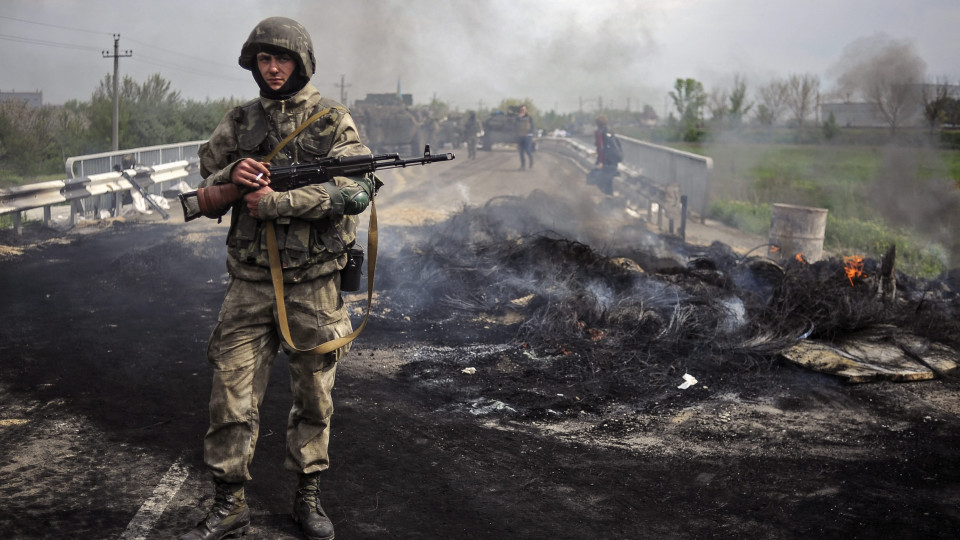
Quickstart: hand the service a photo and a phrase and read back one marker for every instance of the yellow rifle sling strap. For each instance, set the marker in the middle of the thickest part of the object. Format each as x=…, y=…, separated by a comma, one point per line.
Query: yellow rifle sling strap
x=296, y=132
x=276, y=272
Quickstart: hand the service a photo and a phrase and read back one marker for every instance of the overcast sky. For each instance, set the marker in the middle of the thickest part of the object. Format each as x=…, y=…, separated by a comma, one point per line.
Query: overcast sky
x=562, y=54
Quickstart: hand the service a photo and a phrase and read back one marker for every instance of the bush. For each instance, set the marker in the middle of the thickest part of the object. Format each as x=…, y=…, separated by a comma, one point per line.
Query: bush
x=950, y=140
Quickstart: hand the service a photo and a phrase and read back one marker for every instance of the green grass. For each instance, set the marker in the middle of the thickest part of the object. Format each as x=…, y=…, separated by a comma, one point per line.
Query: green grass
x=864, y=189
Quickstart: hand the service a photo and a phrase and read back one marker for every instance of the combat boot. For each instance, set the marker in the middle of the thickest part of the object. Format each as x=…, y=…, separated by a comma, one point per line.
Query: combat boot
x=307, y=510
x=229, y=516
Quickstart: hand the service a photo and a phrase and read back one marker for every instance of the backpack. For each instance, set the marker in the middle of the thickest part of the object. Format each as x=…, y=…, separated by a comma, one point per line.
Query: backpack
x=612, y=151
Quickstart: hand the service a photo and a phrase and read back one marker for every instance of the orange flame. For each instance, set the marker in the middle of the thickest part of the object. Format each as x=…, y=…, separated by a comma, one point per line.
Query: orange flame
x=565, y=351
x=800, y=258
x=853, y=266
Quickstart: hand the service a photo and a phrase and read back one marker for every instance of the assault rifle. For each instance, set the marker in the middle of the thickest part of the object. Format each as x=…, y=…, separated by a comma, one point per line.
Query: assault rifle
x=214, y=201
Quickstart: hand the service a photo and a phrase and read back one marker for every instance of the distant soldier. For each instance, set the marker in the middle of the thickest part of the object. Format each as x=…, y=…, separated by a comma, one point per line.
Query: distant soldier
x=525, y=130
x=472, y=132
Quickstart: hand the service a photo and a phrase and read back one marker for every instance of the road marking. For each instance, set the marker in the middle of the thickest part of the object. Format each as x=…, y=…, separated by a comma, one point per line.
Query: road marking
x=142, y=523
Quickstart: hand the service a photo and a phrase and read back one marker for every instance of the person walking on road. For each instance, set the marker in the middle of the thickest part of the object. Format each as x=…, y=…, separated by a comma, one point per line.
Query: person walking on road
x=313, y=226
x=609, y=156
x=525, y=132
x=472, y=133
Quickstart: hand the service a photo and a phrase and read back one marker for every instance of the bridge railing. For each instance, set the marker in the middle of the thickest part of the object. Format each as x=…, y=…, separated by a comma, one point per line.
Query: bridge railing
x=96, y=184
x=147, y=156
x=659, y=165
x=659, y=174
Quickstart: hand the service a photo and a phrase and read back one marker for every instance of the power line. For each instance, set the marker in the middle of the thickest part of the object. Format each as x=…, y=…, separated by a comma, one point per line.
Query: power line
x=177, y=67
x=32, y=41
x=194, y=58
x=45, y=43
x=54, y=25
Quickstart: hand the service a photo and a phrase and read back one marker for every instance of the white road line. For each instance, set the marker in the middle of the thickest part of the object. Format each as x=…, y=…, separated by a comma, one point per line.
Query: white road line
x=142, y=523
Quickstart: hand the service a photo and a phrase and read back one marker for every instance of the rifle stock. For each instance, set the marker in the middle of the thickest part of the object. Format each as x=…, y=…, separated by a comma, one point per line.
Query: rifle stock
x=215, y=201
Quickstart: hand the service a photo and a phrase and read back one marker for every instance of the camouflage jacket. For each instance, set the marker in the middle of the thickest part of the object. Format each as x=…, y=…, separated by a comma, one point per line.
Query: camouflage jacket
x=313, y=240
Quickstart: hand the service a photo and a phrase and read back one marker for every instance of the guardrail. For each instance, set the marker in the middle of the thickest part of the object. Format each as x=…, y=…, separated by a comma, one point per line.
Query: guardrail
x=148, y=156
x=673, y=179
x=45, y=195
x=665, y=166
x=661, y=166
x=96, y=181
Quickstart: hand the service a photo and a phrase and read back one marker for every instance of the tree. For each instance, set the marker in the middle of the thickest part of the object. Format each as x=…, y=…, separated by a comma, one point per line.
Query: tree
x=936, y=98
x=200, y=118
x=727, y=108
x=952, y=112
x=773, y=100
x=689, y=98
x=830, y=127
x=36, y=140
x=739, y=107
x=884, y=72
x=802, y=93
x=32, y=140
x=150, y=113
x=717, y=105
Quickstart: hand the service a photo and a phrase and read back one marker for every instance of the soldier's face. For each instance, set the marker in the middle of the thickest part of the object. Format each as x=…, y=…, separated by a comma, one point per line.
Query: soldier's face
x=275, y=68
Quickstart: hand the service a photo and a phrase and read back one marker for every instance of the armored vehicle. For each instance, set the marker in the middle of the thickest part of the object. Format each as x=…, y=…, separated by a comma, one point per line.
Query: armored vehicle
x=500, y=127
x=388, y=123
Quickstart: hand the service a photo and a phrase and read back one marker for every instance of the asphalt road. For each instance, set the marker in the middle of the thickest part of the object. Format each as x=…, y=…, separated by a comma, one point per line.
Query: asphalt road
x=103, y=390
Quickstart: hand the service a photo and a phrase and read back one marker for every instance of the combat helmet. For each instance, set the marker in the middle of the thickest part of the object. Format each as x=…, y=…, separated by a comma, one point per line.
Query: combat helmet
x=283, y=33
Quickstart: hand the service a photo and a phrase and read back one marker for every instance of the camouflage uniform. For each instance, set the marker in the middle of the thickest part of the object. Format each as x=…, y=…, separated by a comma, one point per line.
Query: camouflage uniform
x=313, y=236
x=472, y=132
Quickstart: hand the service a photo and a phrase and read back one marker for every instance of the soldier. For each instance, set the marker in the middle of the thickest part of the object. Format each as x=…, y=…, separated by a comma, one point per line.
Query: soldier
x=313, y=234
x=525, y=131
x=471, y=132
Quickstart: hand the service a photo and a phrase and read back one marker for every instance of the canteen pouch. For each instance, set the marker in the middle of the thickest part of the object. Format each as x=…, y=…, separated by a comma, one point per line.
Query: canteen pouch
x=351, y=274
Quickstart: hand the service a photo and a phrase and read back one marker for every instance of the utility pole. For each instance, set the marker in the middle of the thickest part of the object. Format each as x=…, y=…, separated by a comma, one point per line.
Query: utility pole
x=116, y=87
x=343, y=90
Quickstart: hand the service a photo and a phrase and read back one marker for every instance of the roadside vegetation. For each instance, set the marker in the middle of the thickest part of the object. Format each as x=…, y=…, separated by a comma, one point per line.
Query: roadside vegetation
x=36, y=141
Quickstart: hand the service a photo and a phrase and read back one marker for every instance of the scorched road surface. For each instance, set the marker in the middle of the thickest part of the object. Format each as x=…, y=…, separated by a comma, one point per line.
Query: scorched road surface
x=104, y=386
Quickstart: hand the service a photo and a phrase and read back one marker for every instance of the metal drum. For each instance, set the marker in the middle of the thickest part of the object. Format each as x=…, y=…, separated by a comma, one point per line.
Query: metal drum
x=797, y=230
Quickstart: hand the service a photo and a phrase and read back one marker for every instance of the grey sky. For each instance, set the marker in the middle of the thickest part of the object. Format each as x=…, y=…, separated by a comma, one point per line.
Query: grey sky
x=563, y=54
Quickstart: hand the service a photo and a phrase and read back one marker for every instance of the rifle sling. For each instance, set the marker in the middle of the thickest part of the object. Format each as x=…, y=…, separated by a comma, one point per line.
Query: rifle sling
x=276, y=272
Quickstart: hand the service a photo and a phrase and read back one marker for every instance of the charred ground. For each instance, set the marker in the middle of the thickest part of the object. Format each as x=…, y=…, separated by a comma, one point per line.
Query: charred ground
x=518, y=379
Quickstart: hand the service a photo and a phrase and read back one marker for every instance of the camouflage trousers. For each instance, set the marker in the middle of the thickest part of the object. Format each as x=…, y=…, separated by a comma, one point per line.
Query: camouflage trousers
x=241, y=351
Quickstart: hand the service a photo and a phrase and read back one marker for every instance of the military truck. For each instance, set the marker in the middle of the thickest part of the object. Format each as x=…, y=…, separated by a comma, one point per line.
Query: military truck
x=500, y=127
x=388, y=123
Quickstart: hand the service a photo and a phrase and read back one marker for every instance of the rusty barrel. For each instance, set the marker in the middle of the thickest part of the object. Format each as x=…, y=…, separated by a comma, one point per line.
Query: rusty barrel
x=797, y=230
